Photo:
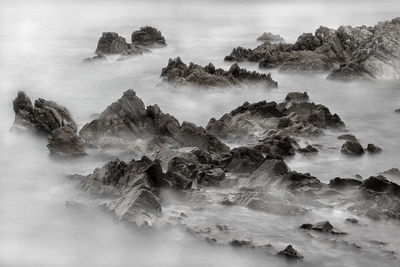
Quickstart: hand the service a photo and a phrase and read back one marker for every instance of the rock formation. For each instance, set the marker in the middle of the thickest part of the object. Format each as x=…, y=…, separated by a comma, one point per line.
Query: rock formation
x=179, y=73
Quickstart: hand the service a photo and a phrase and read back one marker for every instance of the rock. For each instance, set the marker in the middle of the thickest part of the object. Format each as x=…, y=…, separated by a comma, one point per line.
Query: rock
x=244, y=160
x=148, y=36
x=395, y=172
x=352, y=220
x=348, y=52
x=129, y=125
x=323, y=227
x=179, y=73
x=239, y=243
x=44, y=116
x=63, y=141
x=371, y=148
x=133, y=188
x=111, y=43
x=397, y=110
x=380, y=184
x=269, y=37
x=342, y=183
x=309, y=149
x=352, y=148
x=297, y=97
x=290, y=253
x=210, y=177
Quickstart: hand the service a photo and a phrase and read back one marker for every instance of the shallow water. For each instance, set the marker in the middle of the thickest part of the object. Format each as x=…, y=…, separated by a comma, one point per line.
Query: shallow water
x=42, y=44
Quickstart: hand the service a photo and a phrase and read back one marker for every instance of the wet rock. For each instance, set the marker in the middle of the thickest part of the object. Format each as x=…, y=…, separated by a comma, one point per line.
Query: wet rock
x=148, y=36
x=290, y=253
x=269, y=37
x=397, y=110
x=348, y=52
x=44, y=116
x=341, y=183
x=239, y=243
x=64, y=142
x=179, y=73
x=297, y=97
x=381, y=184
x=128, y=124
x=323, y=227
x=352, y=148
x=371, y=148
x=243, y=160
x=133, y=187
x=111, y=43
x=348, y=137
x=309, y=149
x=394, y=172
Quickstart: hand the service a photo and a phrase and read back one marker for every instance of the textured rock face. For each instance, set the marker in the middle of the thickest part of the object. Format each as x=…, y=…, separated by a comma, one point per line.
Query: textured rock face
x=352, y=147
x=291, y=254
x=44, y=116
x=133, y=186
x=63, y=141
x=179, y=73
x=273, y=126
x=128, y=123
x=269, y=37
x=111, y=43
x=349, y=53
x=148, y=36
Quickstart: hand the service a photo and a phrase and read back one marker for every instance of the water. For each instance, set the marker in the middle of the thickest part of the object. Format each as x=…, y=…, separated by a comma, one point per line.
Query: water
x=42, y=47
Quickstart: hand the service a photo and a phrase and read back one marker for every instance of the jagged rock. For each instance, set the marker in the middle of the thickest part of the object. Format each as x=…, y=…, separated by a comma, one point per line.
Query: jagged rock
x=128, y=124
x=381, y=184
x=371, y=148
x=63, y=141
x=44, y=116
x=269, y=37
x=324, y=227
x=179, y=73
x=133, y=187
x=395, y=172
x=349, y=53
x=297, y=97
x=309, y=149
x=290, y=253
x=243, y=160
x=238, y=243
x=148, y=36
x=352, y=220
x=341, y=183
x=352, y=148
x=111, y=43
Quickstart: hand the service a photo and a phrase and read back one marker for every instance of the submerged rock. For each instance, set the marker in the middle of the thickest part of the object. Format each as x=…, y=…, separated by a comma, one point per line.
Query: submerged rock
x=349, y=53
x=290, y=253
x=148, y=36
x=129, y=125
x=179, y=73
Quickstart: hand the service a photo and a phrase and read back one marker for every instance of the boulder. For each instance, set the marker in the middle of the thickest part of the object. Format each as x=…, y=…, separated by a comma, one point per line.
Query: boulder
x=148, y=36
x=111, y=43
x=179, y=73
x=291, y=254
x=348, y=137
x=371, y=148
x=352, y=148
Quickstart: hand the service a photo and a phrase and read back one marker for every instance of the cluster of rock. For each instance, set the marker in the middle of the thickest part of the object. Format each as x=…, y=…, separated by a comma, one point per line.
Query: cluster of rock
x=52, y=119
x=352, y=146
x=269, y=37
x=348, y=52
x=110, y=43
x=179, y=73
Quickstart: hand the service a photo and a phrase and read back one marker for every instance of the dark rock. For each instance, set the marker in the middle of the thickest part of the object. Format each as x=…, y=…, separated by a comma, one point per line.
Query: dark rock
x=244, y=160
x=290, y=253
x=360, y=52
x=111, y=43
x=179, y=73
x=380, y=184
x=128, y=123
x=239, y=243
x=63, y=141
x=133, y=187
x=397, y=110
x=297, y=97
x=269, y=37
x=352, y=220
x=210, y=177
x=323, y=227
x=371, y=148
x=148, y=36
x=348, y=137
x=309, y=149
x=352, y=148
x=341, y=183
x=45, y=116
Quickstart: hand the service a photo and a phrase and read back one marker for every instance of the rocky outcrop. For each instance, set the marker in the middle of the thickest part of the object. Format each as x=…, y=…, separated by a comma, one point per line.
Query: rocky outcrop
x=179, y=73
x=128, y=124
x=52, y=119
x=290, y=254
x=148, y=36
x=272, y=128
x=133, y=187
x=352, y=147
x=110, y=43
x=269, y=37
x=371, y=148
x=348, y=52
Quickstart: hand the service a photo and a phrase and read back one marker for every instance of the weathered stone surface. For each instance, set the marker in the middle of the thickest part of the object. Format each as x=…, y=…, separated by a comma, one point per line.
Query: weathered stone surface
x=290, y=253
x=371, y=148
x=269, y=37
x=348, y=52
x=341, y=183
x=128, y=123
x=63, y=141
x=148, y=36
x=111, y=43
x=179, y=73
x=44, y=116
x=352, y=148
x=323, y=227
x=348, y=137
x=133, y=187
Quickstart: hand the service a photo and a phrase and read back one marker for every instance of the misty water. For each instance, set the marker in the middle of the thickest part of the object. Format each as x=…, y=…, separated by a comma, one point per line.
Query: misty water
x=42, y=44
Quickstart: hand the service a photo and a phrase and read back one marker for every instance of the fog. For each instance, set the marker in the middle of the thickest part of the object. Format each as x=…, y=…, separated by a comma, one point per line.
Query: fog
x=42, y=47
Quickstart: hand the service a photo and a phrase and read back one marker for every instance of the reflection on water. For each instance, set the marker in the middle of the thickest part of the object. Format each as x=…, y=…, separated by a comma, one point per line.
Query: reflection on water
x=42, y=47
